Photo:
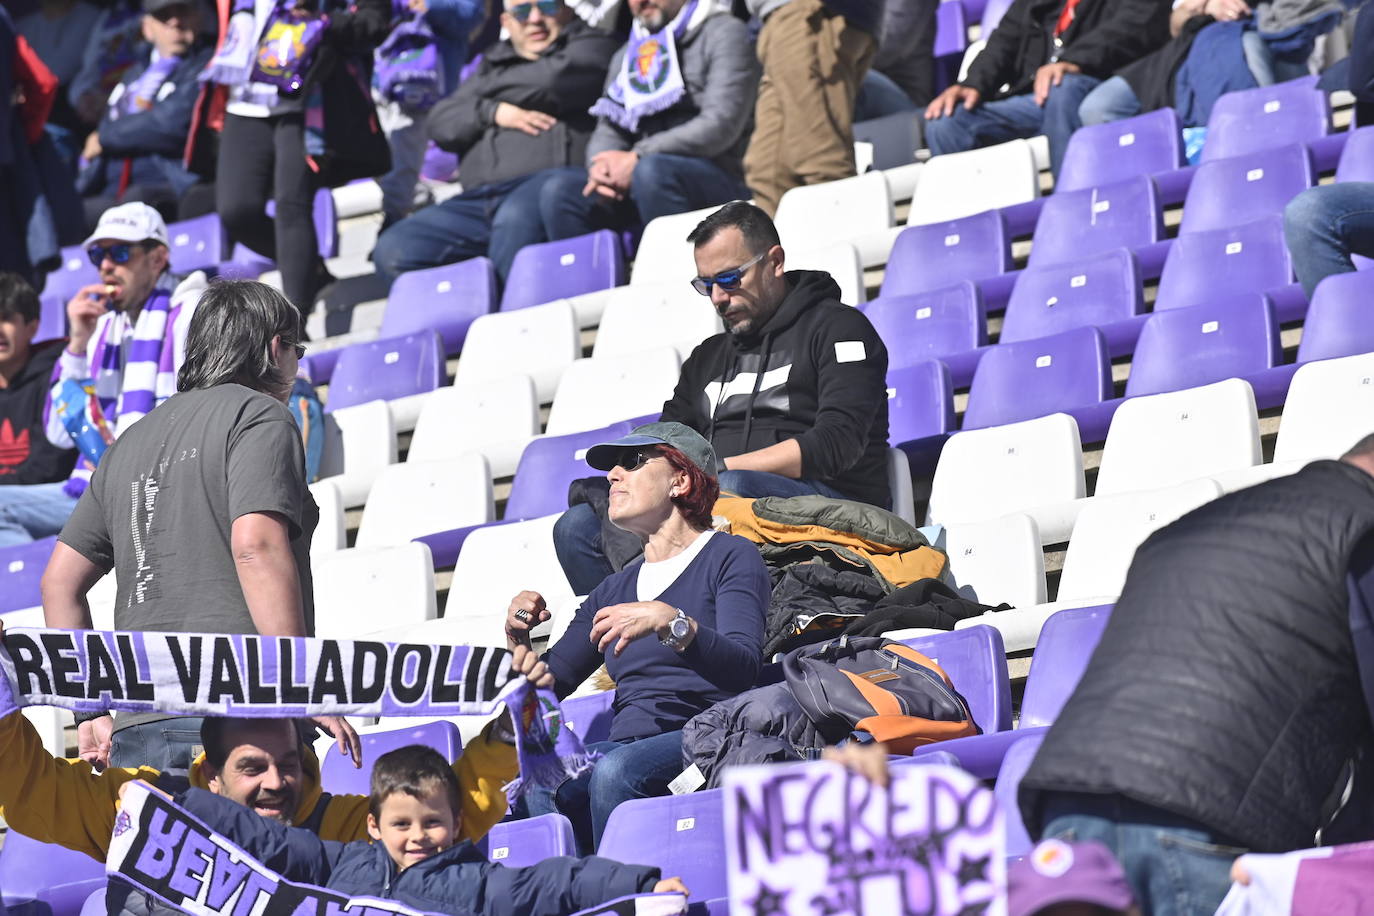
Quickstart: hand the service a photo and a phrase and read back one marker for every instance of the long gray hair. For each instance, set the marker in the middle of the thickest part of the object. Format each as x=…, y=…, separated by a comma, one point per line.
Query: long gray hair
x=230, y=338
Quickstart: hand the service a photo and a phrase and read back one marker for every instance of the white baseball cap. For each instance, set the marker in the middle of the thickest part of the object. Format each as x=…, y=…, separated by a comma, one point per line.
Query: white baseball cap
x=133, y=222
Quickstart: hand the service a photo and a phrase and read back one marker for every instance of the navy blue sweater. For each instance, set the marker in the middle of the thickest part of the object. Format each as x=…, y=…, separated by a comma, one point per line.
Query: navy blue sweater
x=725, y=589
x=458, y=881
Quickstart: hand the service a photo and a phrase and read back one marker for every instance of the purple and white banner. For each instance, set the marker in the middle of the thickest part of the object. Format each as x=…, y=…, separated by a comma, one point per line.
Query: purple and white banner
x=1330, y=881
x=809, y=838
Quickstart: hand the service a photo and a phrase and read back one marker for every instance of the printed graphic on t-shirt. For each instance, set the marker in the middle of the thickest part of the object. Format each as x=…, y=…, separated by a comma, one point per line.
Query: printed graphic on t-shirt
x=145, y=530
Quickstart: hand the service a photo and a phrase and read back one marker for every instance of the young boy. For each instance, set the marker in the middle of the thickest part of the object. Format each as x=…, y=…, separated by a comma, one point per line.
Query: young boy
x=413, y=820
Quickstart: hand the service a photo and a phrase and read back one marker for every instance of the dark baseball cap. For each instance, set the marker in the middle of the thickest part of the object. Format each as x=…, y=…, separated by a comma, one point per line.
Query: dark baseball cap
x=1057, y=872
x=603, y=455
x=152, y=7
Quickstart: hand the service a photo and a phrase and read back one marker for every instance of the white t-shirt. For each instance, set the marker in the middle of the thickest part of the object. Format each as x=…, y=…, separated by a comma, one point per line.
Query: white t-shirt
x=654, y=578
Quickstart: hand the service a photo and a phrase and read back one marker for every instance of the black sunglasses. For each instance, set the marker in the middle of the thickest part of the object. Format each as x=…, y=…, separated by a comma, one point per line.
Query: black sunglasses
x=632, y=459
x=728, y=280
x=120, y=252
x=547, y=8
x=300, y=352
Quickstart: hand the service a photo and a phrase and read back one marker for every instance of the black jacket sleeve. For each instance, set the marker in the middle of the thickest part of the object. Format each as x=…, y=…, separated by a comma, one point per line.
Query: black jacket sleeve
x=161, y=130
x=294, y=853
x=1362, y=57
x=1126, y=31
x=851, y=375
x=558, y=886
x=360, y=28
x=457, y=121
x=997, y=62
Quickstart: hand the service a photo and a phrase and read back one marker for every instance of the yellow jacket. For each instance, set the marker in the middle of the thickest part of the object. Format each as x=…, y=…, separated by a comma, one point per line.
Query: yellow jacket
x=55, y=800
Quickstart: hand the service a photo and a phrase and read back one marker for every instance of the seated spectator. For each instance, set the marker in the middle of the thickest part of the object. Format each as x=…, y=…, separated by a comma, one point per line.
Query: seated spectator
x=415, y=854
x=127, y=339
x=113, y=49
x=136, y=154
x=1048, y=56
x=902, y=77
x=814, y=55
x=521, y=116
x=679, y=631
x=792, y=396
x=26, y=455
x=674, y=123
x=58, y=31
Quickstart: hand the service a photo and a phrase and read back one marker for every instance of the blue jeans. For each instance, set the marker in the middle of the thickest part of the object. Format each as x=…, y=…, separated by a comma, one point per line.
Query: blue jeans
x=662, y=184
x=1112, y=100
x=879, y=97
x=495, y=220
x=1325, y=225
x=1014, y=117
x=29, y=512
x=577, y=533
x=168, y=744
x=630, y=769
x=1175, y=867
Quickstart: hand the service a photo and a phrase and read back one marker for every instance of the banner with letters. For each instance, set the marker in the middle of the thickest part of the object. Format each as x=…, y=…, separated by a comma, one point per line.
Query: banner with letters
x=814, y=838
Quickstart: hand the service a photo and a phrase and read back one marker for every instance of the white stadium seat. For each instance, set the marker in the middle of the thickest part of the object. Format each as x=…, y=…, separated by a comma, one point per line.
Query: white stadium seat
x=359, y=442
x=598, y=392
x=331, y=533
x=651, y=316
x=540, y=341
x=423, y=497
x=998, y=560
x=496, y=417
x=664, y=253
x=856, y=210
x=361, y=591
x=841, y=261
x=962, y=184
x=1330, y=407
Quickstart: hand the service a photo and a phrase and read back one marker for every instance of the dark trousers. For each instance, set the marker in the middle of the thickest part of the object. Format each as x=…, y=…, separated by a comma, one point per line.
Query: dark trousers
x=262, y=159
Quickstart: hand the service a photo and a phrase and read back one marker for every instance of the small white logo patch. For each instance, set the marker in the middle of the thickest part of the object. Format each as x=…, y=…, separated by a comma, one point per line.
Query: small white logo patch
x=952, y=240
x=1042, y=361
x=1126, y=140
x=1234, y=247
x=567, y=259
x=1210, y=327
x=850, y=351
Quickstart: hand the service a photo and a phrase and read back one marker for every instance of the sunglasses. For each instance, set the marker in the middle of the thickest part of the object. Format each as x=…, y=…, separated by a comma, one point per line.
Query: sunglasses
x=727, y=280
x=300, y=352
x=547, y=9
x=119, y=252
x=632, y=459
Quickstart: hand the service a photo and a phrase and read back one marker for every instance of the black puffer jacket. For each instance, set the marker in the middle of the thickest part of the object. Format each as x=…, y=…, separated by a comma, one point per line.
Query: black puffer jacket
x=1225, y=687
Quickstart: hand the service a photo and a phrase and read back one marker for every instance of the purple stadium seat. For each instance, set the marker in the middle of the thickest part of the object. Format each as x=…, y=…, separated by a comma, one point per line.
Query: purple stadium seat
x=448, y=298
x=568, y=267
x=1106, y=153
x=1251, y=257
x=339, y=776
x=589, y=717
x=992, y=14
x=895, y=138
x=326, y=221
x=1077, y=224
x=1035, y=378
x=920, y=412
x=1102, y=291
x=44, y=879
x=681, y=834
x=1357, y=159
x=394, y=367
x=197, y=244
x=439, y=165
x=517, y=844
x=1338, y=321
x=75, y=271
x=1226, y=192
x=549, y=464
x=21, y=568
x=976, y=662
x=930, y=257
x=1255, y=119
x=945, y=324
x=951, y=40
x=52, y=318
x=1183, y=348
x=1014, y=766
x=1067, y=641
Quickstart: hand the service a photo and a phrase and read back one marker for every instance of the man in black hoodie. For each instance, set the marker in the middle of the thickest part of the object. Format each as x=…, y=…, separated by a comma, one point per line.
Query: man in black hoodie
x=793, y=395
x=26, y=455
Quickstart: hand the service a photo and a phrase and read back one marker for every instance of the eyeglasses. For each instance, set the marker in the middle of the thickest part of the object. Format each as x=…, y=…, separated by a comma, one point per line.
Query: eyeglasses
x=547, y=9
x=728, y=280
x=300, y=352
x=120, y=252
x=632, y=459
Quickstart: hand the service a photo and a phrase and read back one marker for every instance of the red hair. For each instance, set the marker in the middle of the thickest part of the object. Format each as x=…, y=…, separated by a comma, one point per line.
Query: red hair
x=702, y=489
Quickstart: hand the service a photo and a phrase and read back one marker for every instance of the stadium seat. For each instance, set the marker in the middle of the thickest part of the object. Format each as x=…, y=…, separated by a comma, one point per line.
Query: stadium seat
x=446, y=298
x=595, y=392
x=1044, y=375
x=1230, y=336
x=976, y=664
x=1167, y=439
x=683, y=835
x=44, y=879
x=590, y=716
x=1250, y=257
x=52, y=318
x=387, y=370
x=946, y=324
x=1098, y=219
x=549, y=464
x=358, y=443
x=1357, y=159
x=1247, y=187
x=1014, y=766
x=961, y=184
x=496, y=417
x=648, y=317
x=540, y=341
x=951, y=41
x=856, y=210
x=920, y=412
x=1338, y=320
x=987, y=473
x=992, y=14
x=568, y=267
x=196, y=244
x=1329, y=405
x=936, y=255
x=1066, y=643
x=1255, y=119
x=1101, y=154
x=664, y=254
x=21, y=569
x=998, y=560
x=331, y=533
x=74, y=272
x=899, y=485
x=518, y=844
x=1102, y=291
x=340, y=777
x=423, y=497
x=895, y=139
x=362, y=591
x=839, y=259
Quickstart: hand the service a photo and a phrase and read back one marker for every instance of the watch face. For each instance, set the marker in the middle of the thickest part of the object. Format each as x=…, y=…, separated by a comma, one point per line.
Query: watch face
x=679, y=628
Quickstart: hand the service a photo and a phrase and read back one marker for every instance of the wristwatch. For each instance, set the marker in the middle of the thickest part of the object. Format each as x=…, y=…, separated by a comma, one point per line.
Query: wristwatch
x=679, y=628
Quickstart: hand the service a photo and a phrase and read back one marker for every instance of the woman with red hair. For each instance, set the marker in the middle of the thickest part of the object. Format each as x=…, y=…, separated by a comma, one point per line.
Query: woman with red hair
x=679, y=630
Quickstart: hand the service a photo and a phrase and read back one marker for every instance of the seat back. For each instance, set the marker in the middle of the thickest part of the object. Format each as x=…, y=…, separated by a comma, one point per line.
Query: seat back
x=1250, y=257
x=1166, y=439
x=589, y=717
x=52, y=318
x=196, y=244
x=358, y=443
x=811, y=216
x=1092, y=291
x=1187, y=347
x=930, y=325
x=496, y=563
x=652, y=316
x=998, y=560
x=595, y=392
x=935, y=255
x=1337, y=322
x=331, y=533
x=1254, y=119
x=992, y=14
x=1097, y=219
x=951, y=40
x=920, y=401
x=1247, y=187
x=46, y=879
x=340, y=777
x=423, y=497
x=839, y=259
x=496, y=417
x=976, y=662
x=21, y=570
x=394, y=367
x=73, y=272
x=664, y=252
x=895, y=139
x=567, y=267
x=1014, y=765
x=961, y=184
x=549, y=464
x=1067, y=641
x=518, y=844
x=899, y=485
x=352, y=586
x=681, y=834
x=1357, y=158
x=1104, y=153
x=540, y=341
x=1328, y=409
x=447, y=298
x=1034, y=378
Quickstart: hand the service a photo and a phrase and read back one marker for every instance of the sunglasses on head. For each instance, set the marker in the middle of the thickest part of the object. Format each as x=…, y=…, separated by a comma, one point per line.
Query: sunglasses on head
x=547, y=8
x=728, y=280
x=120, y=252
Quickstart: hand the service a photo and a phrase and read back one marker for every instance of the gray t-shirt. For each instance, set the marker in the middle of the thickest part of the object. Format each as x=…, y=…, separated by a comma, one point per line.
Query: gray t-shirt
x=164, y=497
